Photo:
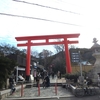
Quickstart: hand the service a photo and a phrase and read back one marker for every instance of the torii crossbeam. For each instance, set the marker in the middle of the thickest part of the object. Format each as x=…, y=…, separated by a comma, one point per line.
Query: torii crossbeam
x=47, y=38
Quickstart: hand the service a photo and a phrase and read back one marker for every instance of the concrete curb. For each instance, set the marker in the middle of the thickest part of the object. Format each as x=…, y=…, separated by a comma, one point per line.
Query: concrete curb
x=37, y=98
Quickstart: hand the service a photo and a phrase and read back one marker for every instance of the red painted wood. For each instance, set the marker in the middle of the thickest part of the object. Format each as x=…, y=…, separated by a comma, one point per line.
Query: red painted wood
x=28, y=60
x=58, y=36
x=68, y=65
x=46, y=43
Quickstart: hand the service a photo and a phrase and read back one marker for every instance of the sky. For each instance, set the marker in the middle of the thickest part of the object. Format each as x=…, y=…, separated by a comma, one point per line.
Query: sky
x=48, y=17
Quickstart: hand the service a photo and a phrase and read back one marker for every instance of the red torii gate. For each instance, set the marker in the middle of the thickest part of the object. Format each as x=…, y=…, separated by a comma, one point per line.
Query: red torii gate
x=47, y=42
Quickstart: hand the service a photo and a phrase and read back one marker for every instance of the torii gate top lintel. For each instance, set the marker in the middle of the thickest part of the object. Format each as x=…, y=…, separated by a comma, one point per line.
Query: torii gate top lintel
x=47, y=37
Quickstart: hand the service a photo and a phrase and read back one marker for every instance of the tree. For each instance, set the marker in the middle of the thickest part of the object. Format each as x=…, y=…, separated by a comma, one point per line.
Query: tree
x=44, y=55
x=6, y=67
x=72, y=46
x=59, y=47
x=35, y=54
x=7, y=49
x=59, y=62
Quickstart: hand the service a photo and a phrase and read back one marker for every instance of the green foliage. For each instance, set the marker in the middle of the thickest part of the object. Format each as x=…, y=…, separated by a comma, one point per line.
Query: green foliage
x=71, y=76
x=6, y=66
x=75, y=75
x=7, y=49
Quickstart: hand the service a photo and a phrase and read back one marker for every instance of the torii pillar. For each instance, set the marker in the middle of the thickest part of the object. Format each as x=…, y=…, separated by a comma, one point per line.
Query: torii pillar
x=47, y=42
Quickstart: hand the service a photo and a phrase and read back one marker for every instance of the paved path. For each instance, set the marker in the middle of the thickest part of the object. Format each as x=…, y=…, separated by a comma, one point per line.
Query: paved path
x=50, y=92
x=62, y=80
x=44, y=93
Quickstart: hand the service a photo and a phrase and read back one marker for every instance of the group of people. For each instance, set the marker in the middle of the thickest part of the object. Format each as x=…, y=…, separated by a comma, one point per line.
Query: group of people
x=44, y=76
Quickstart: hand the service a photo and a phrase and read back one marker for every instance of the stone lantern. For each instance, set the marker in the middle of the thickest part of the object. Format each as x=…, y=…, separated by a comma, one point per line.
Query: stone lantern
x=96, y=53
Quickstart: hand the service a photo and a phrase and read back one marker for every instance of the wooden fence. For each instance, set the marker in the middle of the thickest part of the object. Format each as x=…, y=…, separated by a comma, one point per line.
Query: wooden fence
x=85, y=68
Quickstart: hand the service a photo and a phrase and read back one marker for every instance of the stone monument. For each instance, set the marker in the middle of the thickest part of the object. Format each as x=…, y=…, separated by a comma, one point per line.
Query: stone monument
x=96, y=68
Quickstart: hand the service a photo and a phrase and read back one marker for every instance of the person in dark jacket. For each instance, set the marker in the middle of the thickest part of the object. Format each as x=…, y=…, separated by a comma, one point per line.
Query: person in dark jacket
x=53, y=75
x=37, y=78
x=47, y=80
x=12, y=85
x=11, y=82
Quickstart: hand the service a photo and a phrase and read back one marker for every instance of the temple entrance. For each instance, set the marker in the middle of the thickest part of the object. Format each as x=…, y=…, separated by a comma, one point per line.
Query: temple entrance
x=46, y=41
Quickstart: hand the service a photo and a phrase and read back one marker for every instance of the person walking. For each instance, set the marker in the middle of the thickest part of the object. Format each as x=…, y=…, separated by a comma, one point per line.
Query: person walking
x=12, y=84
x=52, y=75
x=47, y=80
x=34, y=74
x=37, y=78
x=98, y=75
x=58, y=74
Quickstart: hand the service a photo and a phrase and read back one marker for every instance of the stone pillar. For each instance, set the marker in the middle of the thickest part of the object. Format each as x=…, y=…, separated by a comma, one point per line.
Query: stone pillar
x=7, y=84
x=96, y=53
x=96, y=68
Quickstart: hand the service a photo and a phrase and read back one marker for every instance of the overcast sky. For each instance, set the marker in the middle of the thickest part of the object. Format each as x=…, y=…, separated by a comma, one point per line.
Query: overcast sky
x=45, y=17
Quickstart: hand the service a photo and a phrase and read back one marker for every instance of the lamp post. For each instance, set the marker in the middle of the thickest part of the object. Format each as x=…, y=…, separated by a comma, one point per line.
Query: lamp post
x=80, y=63
x=16, y=74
